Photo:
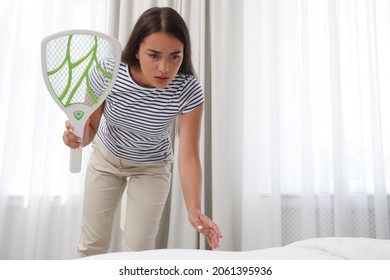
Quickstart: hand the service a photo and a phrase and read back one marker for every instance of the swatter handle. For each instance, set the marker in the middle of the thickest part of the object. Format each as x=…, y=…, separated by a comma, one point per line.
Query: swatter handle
x=76, y=154
x=75, y=160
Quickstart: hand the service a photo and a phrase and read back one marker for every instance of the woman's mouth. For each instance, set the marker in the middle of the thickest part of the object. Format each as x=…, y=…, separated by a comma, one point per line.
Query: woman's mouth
x=161, y=79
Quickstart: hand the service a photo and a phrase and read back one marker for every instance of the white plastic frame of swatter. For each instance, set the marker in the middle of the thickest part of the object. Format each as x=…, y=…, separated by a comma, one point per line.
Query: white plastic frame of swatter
x=78, y=125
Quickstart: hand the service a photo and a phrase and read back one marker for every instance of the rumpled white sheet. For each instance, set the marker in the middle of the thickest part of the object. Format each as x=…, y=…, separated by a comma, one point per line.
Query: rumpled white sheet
x=349, y=248
x=329, y=248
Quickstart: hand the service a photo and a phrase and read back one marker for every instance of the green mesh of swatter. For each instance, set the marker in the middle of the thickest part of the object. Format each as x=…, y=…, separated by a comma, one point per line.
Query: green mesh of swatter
x=79, y=68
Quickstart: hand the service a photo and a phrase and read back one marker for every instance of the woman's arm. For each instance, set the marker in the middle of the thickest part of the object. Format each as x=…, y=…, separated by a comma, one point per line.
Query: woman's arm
x=191, y=175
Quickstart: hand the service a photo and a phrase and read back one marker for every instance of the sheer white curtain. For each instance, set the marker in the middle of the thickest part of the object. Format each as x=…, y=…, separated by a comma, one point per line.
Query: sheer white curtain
x=40, y=202
x=316, y=134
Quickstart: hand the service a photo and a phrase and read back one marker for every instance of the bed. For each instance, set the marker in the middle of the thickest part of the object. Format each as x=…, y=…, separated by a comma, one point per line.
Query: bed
x=327, y=248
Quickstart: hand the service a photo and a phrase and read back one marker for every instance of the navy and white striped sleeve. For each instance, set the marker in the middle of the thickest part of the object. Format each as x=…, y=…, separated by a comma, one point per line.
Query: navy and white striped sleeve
x=97, y=80
x=192, y=96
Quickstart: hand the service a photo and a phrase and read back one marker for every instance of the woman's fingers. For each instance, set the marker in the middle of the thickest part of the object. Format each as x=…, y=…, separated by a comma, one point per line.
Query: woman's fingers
x=69, y=126
x=206, y=227
x=69, y=138
x=212, y=239
x=208, y=223
x=210, y=230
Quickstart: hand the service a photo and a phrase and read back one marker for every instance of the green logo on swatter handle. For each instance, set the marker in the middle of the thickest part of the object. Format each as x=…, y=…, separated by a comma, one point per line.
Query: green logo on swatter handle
x=78, y=115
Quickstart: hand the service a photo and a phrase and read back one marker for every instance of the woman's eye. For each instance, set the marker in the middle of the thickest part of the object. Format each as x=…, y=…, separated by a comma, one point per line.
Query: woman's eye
x=153, y=56
x=175, y=57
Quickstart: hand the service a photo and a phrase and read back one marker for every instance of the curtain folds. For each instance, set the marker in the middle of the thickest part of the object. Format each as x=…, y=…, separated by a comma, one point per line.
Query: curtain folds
x=295, y=141
x=315, y=120
x=40, y=201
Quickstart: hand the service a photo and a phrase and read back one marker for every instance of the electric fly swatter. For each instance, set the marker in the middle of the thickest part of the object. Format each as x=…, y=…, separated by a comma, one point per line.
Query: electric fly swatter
x=79, y=68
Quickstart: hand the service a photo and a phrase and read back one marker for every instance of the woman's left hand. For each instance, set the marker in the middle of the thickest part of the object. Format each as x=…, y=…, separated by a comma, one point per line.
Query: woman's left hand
x=205, y=226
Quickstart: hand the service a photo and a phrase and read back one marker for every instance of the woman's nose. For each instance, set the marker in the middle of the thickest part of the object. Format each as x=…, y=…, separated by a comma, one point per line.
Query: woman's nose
x=163, y=66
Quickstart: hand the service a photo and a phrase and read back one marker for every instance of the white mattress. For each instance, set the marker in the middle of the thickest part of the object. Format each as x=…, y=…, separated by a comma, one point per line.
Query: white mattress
x=331, y=248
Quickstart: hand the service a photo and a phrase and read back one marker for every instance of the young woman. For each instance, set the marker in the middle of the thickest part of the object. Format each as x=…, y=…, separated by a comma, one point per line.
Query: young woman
x=155, y=84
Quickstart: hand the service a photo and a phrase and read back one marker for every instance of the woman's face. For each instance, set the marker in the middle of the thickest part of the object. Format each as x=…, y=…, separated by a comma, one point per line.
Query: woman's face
x=160, y=56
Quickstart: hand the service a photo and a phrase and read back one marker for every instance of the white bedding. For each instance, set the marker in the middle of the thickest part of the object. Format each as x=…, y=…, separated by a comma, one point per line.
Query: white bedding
x=330, y=248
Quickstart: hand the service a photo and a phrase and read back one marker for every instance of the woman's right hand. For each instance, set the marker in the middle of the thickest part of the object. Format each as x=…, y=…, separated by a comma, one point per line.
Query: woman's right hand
x=90, y=129
x=70, y=139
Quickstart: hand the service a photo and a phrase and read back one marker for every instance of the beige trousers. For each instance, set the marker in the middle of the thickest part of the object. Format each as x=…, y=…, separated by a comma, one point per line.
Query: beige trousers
x=107, y=177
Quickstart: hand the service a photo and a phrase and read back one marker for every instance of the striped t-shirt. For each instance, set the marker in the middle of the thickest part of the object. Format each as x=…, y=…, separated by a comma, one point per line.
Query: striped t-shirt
x=137, y=120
